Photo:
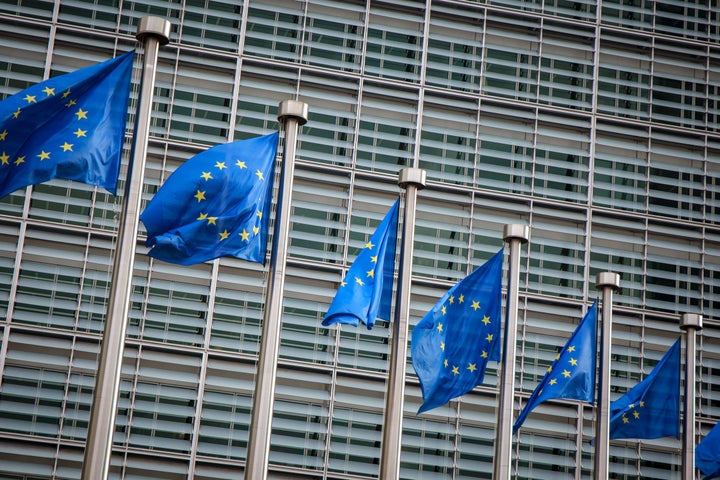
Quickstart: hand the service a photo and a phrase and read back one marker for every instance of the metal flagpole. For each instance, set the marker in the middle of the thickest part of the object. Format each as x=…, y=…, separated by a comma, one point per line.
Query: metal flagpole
x=690, y=323
x=608, y=282
x=153, y=32
x=412, y=179
x=293, y=113
x=516, y=235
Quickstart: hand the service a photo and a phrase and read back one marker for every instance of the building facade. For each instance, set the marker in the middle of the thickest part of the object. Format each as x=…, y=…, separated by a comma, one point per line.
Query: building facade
x=594, y=123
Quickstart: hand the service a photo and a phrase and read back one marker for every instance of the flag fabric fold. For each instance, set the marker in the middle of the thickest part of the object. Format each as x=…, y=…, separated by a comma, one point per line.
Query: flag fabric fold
x=215, y=204
x=71, y=126
x=707, y=454
x=651, y=409
x=572, y=374
x=366, y=291
x=454, y=341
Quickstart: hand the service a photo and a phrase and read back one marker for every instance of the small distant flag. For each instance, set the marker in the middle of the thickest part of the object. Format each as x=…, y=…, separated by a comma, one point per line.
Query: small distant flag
x=215, y=204
x=651, y=409
x=454, y=341
x=707, y=454
x=71, y=126
x=572, y=374
x=366, y=291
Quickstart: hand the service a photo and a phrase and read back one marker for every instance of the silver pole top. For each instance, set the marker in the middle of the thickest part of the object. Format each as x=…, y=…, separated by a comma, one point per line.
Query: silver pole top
x=608, y=279
x=154, y=27
x=293, y=109
x=412, y=176
x=691, y=320
x=516, y=231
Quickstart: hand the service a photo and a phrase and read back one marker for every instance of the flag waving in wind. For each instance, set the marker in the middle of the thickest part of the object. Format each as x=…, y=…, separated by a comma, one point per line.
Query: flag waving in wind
x=366, y=291
x=707, y=454
x=453, y=342
x=651, y=409
x=215, y=204
x=71, y=126
x=572, y=374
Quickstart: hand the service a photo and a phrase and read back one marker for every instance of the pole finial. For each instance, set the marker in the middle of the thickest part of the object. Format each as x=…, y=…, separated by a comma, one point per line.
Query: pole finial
x=691, y=320
x=608, y=279
x=412, y=176
x=151, y=26
x=293, y=109
x=516, y=231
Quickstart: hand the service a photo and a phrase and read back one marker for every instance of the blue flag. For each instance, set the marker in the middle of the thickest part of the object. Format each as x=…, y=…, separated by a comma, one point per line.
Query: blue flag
x=651, y=409
x=71, y=126
x=572, y=374
x=366, y=291
x=707, y=454
x=453, y=342
x=215, y=204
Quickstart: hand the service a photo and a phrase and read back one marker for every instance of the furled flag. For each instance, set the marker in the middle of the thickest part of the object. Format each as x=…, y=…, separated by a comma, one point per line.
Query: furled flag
x=707, y=454
x=366, y=291
x=453, y=342
x=71, y=126
x=215, y=204
x=572, y=374
x=651, y=409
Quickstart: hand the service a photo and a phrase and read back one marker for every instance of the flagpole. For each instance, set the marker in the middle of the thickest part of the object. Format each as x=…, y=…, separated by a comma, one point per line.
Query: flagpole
x=515, y=235
x=412, y=180
x=608, y=282
x=292, y=113
x=690, y=323
x=153, y=32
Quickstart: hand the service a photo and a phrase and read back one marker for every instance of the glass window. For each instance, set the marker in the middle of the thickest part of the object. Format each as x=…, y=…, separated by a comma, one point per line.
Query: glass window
x=99, y=14
x=334, y=34
x=632, y=14
x=273, y=30
x=211, y=24
x=685, y=18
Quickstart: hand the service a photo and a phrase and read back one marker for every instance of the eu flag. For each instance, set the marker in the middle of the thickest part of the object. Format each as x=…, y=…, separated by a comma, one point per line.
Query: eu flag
x=453, y=342
x=215, y=204
x=572, y=374
x=651, y=409
x=71, y=126
x=707, y=454
x=366, y=291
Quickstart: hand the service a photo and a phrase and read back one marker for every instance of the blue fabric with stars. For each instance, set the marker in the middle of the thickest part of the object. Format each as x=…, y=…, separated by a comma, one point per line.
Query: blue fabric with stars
x=215, y=204
x=572, y=374
x=454, y=341
x=71, y=126
x=651, y=409
x=366, y=291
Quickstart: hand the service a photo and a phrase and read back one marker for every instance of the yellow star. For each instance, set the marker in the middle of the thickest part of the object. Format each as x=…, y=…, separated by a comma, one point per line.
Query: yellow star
x=81, y=114
x=369, y=245
x=3, y=135
x=70, y=103
x=212, y=220
x=636, y=415
x=245, y=235
x=632, y=405
x=240, y=164
x=571, y=348
x=220, y=165
x=259, y=175
x=373, y=259
x=461, y=299
x=573, y=362
x=206, y=175
x=200, y=196
x=4, y=158
x=472, y=367
x=549, y=369
x=66, y=93
x=455, y=370
x=66, y=146
x=30, y=99
x=16, y=113
x=553, y=381
x=443, y=310
x=202, y=216
x=486, y=320
x=43, y=155
x=359, y=282
x=80, y=133
x=489, y=337
x=442, y=346
x=475, y=305
x=557, y=357
x=256, y=230
x=371, y=273
x=642, y=404
x=625, y=419
x=49, y=91
x=258, y=214
x=445, y=362
x=565, y=373
x=452, y=299
x=223, y=235
x=484, y=354
x=20, y=160
x=343, y=283
x=439, y=327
